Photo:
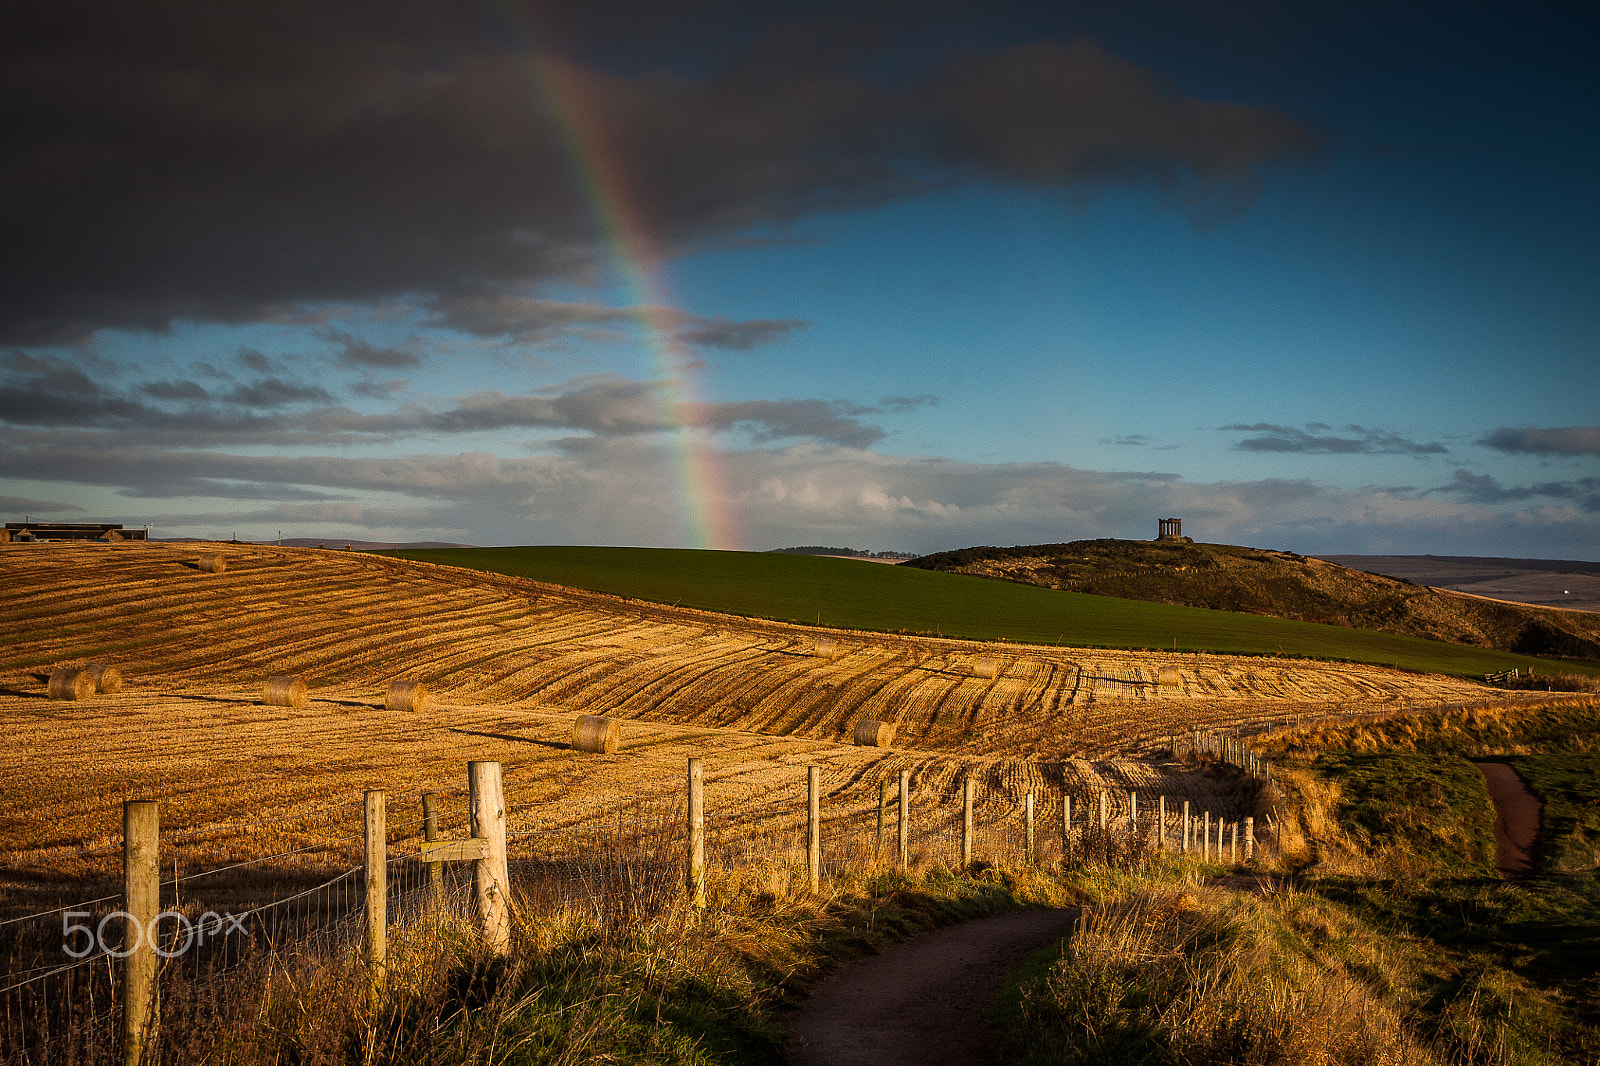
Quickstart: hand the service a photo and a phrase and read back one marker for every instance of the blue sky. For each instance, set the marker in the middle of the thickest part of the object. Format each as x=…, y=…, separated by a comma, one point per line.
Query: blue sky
x=919, y=276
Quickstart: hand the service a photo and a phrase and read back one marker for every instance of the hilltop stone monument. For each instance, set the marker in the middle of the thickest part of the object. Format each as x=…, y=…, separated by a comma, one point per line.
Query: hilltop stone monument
x=1171, y=529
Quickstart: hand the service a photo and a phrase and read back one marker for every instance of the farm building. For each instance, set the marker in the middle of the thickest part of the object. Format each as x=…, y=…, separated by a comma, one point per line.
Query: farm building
x=106, y=532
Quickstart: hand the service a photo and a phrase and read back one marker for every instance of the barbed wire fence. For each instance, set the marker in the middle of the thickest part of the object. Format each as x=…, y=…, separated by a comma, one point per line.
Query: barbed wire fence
x=220, y=929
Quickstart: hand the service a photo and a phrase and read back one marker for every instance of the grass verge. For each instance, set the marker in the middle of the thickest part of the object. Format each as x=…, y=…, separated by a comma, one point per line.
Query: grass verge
x=1402, y=784
x=1500, y=971
x=676, y=986
x=1412, y=815
x=1344, y=971
x=1199, y=975
x=851, y=594
x=1571, y=725
x=1397, y=944
x=1568, y=784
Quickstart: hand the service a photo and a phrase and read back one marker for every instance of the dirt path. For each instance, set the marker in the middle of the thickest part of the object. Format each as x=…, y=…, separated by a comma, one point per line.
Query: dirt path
x=1516, y=822
x=924, y=1002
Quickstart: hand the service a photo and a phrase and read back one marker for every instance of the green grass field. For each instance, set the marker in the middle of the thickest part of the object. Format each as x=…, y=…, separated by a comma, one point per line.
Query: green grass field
x=1568, y=784
x=1434, y=808
x=851, y=594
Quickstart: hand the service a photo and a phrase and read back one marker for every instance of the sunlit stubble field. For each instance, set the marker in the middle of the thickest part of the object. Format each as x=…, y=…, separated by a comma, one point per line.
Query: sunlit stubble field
x=511, y=663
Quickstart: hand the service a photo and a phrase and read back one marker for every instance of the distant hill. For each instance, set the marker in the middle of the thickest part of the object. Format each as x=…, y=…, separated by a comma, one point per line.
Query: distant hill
x=1281, y=585
x=844, y=553
x=330, y=543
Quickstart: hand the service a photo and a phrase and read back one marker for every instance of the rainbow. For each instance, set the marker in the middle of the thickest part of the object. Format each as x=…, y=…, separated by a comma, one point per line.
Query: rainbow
x=705, y=517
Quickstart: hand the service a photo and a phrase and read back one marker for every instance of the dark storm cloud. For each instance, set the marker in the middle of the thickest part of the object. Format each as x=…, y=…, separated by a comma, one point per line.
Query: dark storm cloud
x=260, y=362
x=612, y=408
x=1483, y=488
x=1573, y=440
x=353, y=351
x=24, y=506
x=380, y=390
x=1050, y=113
x=534, y=320
x=720, y=332
x=46, y=374
x=1318, y=437
x=46, y=391
x=524, y=318
x=275, y=392
x=174, y=390
x=51, y=394
x=237, y=162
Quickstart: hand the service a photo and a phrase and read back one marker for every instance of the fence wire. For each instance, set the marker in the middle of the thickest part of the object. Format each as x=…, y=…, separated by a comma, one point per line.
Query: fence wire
x=223, y=928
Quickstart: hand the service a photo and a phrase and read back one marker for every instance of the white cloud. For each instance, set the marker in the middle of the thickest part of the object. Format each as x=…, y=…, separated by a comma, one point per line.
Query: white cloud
x=630, y=490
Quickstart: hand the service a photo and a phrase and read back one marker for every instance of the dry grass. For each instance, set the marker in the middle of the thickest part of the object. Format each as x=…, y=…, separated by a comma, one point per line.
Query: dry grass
x=612, y=965
x=1202, y=976
x=1562, y=724
x=1552, y=683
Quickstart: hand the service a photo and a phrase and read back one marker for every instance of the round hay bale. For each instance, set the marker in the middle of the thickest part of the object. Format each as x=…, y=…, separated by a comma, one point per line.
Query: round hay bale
x=983, y=668
x=284, y=691
x=1168, y=675
x=212, y=564
x=826, y=649
x=871, y=734
x=596, y=735
x=106, y=678
x=71, y=683
x=407, y=696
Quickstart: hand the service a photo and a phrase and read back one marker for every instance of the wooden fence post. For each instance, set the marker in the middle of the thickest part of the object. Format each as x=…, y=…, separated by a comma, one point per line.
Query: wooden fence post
x=1161, y=822
x=883, y=803
x=966, y=822
x=1066, y=824
x=1249, y=839
x=141, y=901
x=1104, y=811
x=814, y=826
x=1234, y=847
x=1188, y=828
x=1133, y=814
x=905, y=819
x=491, y=881
x=697, y=834
x=1205, y=848
x=1027, y=818
x=376, y=892
x=430, y=833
